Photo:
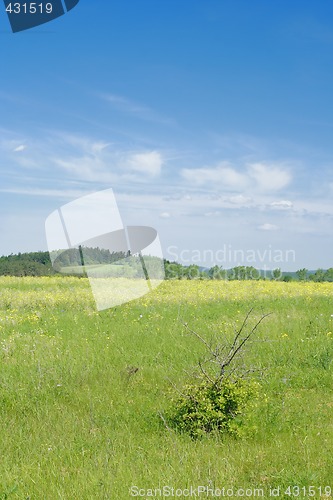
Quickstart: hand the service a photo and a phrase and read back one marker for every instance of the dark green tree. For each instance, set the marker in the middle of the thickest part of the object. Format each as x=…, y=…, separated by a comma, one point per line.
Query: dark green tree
x=302, y=274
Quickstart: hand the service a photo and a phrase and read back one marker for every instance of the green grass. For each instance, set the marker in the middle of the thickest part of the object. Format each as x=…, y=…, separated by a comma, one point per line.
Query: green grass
x=78, y=423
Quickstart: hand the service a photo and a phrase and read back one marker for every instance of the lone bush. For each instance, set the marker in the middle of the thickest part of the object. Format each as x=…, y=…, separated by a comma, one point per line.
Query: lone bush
x=205, y=408
x=223, y=395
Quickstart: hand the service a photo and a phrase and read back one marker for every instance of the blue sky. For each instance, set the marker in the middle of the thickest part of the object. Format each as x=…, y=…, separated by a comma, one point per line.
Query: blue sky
x=210, y=119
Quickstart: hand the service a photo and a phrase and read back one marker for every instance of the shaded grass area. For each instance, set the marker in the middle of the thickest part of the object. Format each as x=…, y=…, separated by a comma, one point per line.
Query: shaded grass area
x=81, y=391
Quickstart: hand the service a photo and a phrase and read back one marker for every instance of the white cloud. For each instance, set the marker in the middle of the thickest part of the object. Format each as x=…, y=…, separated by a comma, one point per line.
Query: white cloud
x=282, y=205
x=269, y=177
x=216, y=213
x=165, y=215
x=223, y=176
x=86, y=168
x=78, y=143
x=96, y=160
x=20, y=148
x=149, y=163
x=256, y=176
x=268, y=227
x=98, y=147
x=239, y=199
x=99, y=161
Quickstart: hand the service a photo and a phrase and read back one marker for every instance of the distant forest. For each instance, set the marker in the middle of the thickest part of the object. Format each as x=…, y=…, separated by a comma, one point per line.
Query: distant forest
x=70, y=262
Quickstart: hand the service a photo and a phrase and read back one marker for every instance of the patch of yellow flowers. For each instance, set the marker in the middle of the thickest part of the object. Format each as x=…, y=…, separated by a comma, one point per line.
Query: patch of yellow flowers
x=214, y=290
x=37, y=293
x=32, y=295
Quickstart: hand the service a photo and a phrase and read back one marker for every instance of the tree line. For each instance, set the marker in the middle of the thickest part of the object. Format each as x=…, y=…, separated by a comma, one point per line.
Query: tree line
x=71, y=262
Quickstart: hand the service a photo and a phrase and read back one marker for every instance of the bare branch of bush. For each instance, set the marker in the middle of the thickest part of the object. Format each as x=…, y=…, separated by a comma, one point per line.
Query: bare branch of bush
x=216, y=353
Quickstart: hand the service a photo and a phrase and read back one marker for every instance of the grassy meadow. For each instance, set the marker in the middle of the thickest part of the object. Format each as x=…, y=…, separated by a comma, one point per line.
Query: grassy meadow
x=82, y=392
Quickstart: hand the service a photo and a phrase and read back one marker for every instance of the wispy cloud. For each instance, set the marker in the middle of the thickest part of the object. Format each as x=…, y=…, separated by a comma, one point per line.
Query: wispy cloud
x=20, y=148
x=140, y=111
x=165, y=215
x=149, y=163
x=268, y=227
x=81, y=157
x=269, y=177
x=86, y=168
x=98, y=161
x=223, y=176
x=240, y=199
x=255, y=176
x=48, y=193
x=282, y=205
x=58, y=165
